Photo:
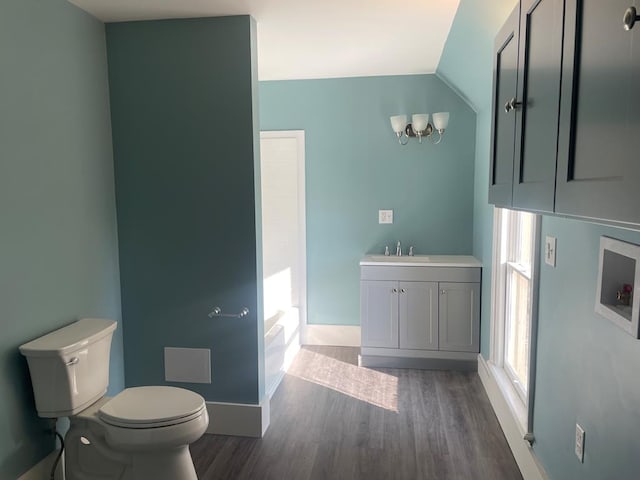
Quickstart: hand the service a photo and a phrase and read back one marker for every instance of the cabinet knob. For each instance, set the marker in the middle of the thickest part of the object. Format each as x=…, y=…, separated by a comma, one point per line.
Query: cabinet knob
x=402, y=290
x=630, y=18
x=394, y=290
x=511, y=105
x=443, y=291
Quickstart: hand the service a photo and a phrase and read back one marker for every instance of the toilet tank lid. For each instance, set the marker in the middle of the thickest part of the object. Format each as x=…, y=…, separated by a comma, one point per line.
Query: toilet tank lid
x=69, y=339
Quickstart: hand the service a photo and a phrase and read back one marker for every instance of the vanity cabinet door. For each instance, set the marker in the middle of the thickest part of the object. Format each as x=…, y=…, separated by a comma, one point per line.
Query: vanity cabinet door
x=379, y=313
x=459, y=314
x=598, y=166
x=418, y=315
x=537, y=104
x=505, y=83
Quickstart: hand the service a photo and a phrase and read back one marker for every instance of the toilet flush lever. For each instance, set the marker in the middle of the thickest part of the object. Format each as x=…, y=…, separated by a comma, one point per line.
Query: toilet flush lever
x=217, y=312
x=72, y=361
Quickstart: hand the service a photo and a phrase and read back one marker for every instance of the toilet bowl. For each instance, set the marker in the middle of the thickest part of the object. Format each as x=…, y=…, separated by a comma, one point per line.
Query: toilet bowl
x=142, y=433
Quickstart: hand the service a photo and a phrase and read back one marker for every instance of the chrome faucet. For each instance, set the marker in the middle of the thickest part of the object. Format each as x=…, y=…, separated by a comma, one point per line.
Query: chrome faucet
x=411, y=251
x=398, y=249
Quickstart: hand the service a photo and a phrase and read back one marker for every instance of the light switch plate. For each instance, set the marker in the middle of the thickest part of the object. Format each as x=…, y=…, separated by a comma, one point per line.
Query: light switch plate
x=385, y=216
x=550, y=251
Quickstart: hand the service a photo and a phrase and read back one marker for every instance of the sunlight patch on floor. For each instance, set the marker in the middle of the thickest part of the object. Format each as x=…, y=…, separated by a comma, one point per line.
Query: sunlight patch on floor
x=370, y=386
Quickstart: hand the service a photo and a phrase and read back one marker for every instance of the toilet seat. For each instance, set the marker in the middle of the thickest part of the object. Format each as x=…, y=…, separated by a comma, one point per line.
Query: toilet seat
x=151, y=407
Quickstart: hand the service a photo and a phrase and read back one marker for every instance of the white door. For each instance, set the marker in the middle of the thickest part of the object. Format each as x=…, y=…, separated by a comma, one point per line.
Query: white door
x=283, y=226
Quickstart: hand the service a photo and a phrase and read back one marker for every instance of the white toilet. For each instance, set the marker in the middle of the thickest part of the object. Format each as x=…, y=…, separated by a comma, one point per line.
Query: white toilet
x=140, y=434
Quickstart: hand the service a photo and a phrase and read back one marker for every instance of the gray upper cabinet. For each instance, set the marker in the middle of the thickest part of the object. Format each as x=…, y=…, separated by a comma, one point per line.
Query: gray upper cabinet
x=505, y=83
x=598, y=165
x=576, y=111
x=527, y=80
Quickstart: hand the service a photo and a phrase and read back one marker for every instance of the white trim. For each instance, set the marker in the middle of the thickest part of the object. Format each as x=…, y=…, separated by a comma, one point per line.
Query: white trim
x=43, y=468
x=525, y=457
x=239, y=419
x=334, y=335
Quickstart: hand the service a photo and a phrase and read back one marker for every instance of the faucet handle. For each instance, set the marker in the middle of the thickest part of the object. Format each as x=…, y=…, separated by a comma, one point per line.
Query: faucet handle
x=386, y=250
x=411, y=251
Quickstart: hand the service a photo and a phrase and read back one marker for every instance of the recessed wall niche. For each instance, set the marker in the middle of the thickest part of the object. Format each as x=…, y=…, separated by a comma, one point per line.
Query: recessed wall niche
x=618, y=292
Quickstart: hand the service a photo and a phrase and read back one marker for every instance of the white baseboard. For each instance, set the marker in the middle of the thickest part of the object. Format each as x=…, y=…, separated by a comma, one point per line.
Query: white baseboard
x=526, y=458
x=334, y=335
x=239, y=419
x=42, y=469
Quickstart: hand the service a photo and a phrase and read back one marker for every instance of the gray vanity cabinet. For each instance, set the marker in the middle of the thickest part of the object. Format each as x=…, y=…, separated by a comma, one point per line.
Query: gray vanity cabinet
x=429, y=315
x=598, y=166
x=527, y=80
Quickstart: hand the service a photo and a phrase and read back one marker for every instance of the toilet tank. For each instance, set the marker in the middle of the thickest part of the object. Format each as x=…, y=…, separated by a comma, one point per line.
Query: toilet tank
x=70, y=367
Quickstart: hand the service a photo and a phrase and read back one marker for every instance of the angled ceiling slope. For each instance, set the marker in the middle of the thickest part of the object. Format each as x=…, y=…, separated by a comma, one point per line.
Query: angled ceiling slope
x=300, y=39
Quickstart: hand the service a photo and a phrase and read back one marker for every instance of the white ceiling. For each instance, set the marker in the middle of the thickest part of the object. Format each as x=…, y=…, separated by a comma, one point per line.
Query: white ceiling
x=317, y=38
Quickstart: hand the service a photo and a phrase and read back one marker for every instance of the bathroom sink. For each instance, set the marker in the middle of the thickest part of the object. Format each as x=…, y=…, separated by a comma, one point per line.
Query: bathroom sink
x=395, y=259
x=420, y=261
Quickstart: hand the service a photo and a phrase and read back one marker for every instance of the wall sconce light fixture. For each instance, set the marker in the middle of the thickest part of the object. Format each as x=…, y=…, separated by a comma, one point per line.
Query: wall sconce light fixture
x=420, y=126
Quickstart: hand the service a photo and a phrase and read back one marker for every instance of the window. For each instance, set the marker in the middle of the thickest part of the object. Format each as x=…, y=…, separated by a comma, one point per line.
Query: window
x=515, y=257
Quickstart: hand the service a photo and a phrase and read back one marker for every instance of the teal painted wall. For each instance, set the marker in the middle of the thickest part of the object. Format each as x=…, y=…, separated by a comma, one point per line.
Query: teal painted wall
x=58, y=246
x=586, y=366
x=185, y=147
x=355, y=166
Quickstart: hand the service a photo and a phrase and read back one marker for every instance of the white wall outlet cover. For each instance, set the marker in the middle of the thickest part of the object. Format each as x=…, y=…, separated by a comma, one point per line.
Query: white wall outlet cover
x=580, y=443
x=188, y=365
x=550, y=251
x=385, y=216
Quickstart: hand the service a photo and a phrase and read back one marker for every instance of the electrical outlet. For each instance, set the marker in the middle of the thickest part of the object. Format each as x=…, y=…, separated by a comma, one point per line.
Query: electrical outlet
x=580, y=443
x=385, y=216
x=550, y=251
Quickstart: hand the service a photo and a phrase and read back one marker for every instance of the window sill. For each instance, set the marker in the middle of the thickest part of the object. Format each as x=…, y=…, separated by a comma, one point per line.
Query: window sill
x=516, y=405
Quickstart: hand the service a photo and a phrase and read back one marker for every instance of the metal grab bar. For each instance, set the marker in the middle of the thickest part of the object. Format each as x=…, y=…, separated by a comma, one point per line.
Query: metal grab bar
x=217, y=312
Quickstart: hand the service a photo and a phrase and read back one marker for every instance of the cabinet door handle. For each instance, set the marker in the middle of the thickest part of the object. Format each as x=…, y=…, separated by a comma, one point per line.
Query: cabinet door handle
x=402, y=290
x=511, y=105
x=394, y=290
x=630, y=18
x=443, y=291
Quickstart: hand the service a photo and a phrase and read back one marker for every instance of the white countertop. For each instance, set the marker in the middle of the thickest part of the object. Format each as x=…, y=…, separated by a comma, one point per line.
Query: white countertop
x=421, y=261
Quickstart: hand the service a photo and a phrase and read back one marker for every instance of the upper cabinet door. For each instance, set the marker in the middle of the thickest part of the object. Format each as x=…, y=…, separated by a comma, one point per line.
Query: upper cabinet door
x=599, y=159
x=536, y=107
x=505, y=84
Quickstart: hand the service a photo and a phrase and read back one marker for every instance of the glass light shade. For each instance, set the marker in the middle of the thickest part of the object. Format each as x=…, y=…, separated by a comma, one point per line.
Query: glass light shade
x=441, y=120
x=398, y=123
x=419, y=121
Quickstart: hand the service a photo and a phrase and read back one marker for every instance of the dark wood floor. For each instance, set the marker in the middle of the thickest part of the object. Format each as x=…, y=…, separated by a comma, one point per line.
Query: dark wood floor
x=331, y=419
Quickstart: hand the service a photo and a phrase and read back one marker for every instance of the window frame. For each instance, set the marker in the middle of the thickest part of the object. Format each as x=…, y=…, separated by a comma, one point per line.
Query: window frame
x=519, y=400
